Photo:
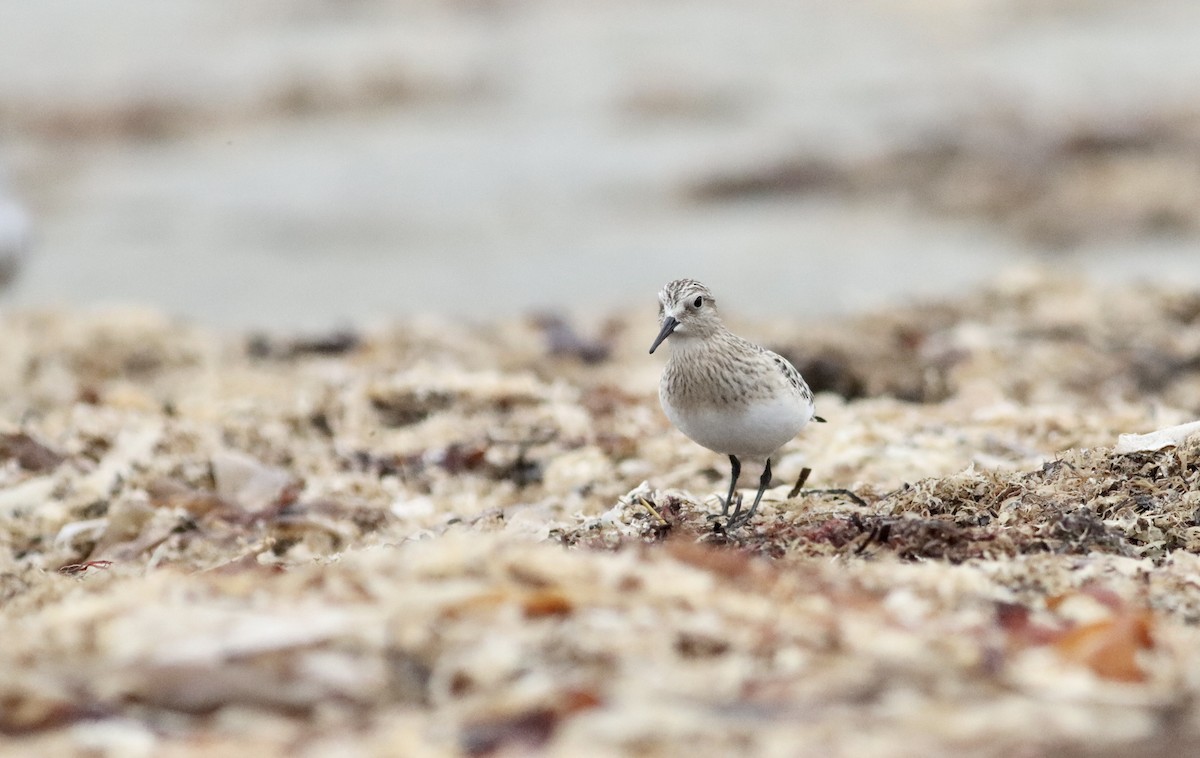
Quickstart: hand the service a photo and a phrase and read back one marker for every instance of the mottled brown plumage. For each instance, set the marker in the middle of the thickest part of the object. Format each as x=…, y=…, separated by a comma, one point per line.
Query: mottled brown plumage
x=724, y=392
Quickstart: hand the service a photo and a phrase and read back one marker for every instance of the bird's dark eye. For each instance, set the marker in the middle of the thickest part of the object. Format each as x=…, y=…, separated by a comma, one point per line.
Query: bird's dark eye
x=699, y=301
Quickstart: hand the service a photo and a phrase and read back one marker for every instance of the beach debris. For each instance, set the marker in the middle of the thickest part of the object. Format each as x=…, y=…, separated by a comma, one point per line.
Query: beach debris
x=562, y=339
x=1171, y=436
x=243, y=479
x=29, y=453
x=75, y=569
x=334, y=343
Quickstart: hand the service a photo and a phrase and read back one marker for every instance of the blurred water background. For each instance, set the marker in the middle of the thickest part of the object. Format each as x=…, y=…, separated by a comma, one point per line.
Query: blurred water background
x=311, y=163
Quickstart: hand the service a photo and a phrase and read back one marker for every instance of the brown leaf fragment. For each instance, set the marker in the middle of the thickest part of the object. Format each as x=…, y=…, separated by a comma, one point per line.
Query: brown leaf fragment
x=1109, y=647
x=527, y=729
x=29, y=453
x=1016, y=621
x=399, y=408
x=530, y=729
x=563, y=340
x=457, y=458
x=695, y=645
x=23, y=713
x=542, y=603
x=576, y=700
x=331, y=344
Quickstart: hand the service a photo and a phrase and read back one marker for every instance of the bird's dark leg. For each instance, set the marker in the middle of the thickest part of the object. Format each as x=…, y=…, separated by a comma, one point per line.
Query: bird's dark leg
x=734, y=521
x=736, y=471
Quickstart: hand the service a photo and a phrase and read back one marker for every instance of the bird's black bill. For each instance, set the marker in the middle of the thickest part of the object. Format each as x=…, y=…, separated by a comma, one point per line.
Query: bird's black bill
x=818, y=419
x=669, y=324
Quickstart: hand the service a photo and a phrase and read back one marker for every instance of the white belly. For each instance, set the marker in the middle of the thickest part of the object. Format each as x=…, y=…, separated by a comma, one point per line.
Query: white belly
x=754, y=431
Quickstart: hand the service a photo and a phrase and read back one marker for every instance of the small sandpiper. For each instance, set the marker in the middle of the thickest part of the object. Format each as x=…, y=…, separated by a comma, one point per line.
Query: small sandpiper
x=724, y=392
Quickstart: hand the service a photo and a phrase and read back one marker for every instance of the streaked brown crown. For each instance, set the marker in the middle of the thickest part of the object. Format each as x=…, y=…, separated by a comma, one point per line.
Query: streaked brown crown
x=681, y=290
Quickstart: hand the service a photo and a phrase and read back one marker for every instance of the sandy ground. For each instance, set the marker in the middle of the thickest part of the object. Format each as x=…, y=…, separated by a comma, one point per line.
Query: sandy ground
x=447, y=539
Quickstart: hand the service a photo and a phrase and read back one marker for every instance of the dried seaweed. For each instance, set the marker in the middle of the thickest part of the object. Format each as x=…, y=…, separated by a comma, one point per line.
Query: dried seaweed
x=29, y=453
x=444, y=540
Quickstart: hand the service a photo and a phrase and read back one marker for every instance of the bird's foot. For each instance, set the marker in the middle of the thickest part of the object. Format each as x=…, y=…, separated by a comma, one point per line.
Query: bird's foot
x=737, y=521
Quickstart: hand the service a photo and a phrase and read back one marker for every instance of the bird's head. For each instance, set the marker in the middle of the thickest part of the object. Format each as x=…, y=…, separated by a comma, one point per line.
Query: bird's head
x=686, y=309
